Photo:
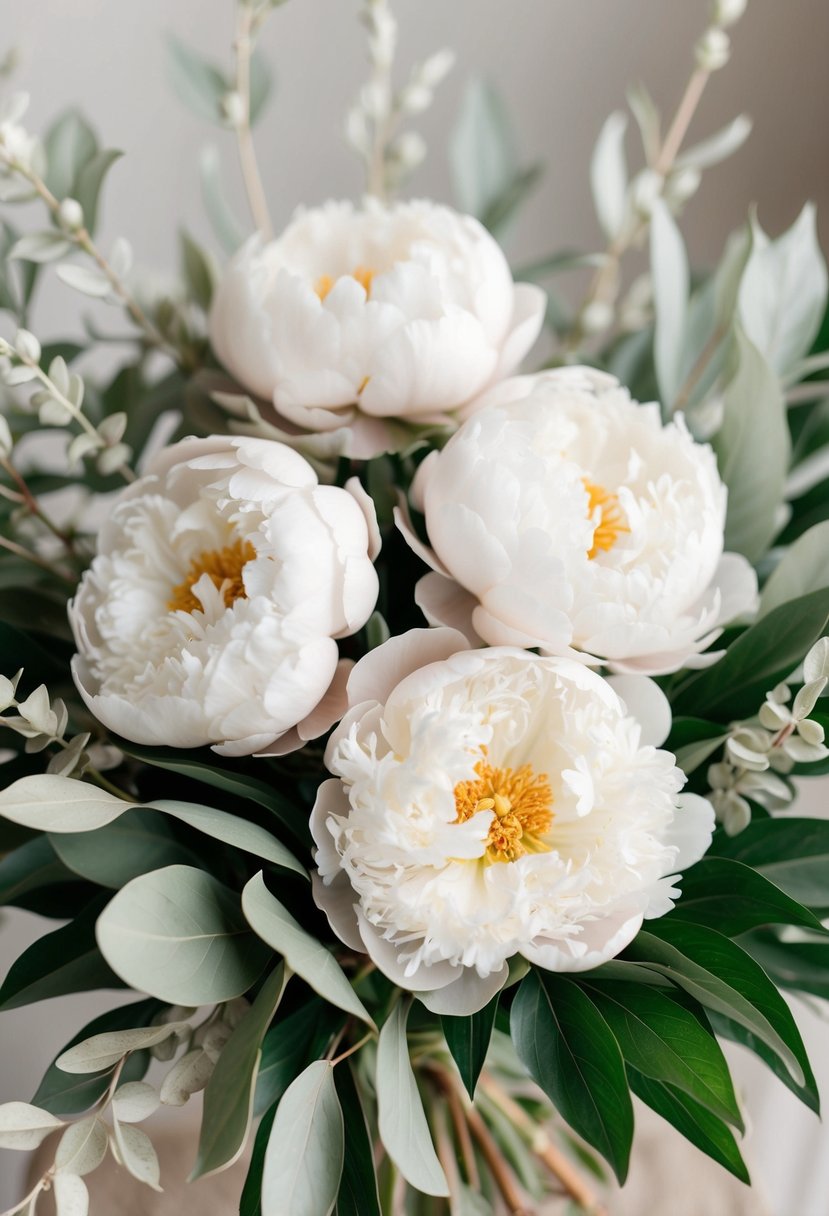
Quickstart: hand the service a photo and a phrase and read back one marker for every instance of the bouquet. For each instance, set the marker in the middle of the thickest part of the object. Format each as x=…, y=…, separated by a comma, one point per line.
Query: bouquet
x=415, y=742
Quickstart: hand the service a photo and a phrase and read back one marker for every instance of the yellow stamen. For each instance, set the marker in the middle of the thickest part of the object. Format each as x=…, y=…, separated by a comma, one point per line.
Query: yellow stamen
x=363, y=274
x=521, y=800
x=611, y=523
x=224, y=569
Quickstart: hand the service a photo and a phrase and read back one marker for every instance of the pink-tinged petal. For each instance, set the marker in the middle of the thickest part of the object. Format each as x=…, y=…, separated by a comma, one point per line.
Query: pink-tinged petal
x=465, y=995
x=646, y=702
x=444, y=602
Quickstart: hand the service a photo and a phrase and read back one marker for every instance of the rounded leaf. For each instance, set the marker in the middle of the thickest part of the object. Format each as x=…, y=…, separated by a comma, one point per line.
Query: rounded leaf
x=82, y=1147
x=135, y=1102
x=23, y=1126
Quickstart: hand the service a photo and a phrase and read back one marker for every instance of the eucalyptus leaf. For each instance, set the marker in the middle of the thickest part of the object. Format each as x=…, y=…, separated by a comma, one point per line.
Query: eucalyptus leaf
x=40, y=247
x=404, y=1129
x=718, y=147
x=304, y=1158
x=102, y=1051
x=232, y=830
x=71, y=1196
x=24, y=1127
x=138, y=841
x=803, y=568
x=358, y=1194
x=199, y=269
x=671, y=284
x=228, y=1098
x=69, y=144
x=290, y=1044
x=482, y=157
x=179, y=935
x=137, y=1154
x=82, y=1147
x=59, y=804
x=86, y=280
x=302, y=952
x=90, y=181
x=199, y=84
x=609, y=175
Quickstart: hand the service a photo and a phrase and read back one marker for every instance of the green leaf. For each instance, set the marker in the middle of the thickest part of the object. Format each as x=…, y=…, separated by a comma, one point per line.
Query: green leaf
x=671, y=286
x=228, y=1098
x=358, y=1194
x=570, y=1051
x=609, y=175
x=65, y=1093
x=481, y=149
x=800, y=965
x=199, y=271
x=179, y=935
x=468, y=1040
x=137, y=842
x=693, y=1121
x=290, y=1044
x=304, y=1158
x=721, y=976
x=733, y=898
x=67, y=960
x=404, y=1130
x=728, y=1029
x=69, y=144
x=30, y=868
x=302, y=952
x=753, y=449
x=791, y=853
x=199, y=84
x=50, y=803
x=760, y=658
x=251, y=1202
x=803, y=568
x=232, y=830
x=665, y=1041
x=226, y=225
x=505, y=205
x=89, y=183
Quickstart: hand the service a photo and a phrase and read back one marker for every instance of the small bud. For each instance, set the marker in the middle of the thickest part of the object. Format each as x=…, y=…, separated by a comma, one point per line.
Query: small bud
x=646, y=188
x=596, y=317
x=713, y=50
x=434, y=69
x=416, y=98
x=234, y=111
x=727, y=12
x=70, y=215
x=409, y=150
x=682, y=185
x=27, y=346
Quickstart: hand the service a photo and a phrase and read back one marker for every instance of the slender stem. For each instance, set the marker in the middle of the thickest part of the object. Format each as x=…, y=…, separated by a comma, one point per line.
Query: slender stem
x=34, y=507
x=694, y=376
x=354, y=1048
x=33, y=1194
x=456, y=1113
x=501, y=1173
x=13, y=547
x=682, y=120
x=243, y=46
x=101, y=781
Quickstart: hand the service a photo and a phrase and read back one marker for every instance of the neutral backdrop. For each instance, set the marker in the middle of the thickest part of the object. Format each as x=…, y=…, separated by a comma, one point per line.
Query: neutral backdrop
x=563, y=66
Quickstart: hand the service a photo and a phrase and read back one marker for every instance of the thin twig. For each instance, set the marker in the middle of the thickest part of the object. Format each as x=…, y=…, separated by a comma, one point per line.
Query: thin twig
x=355, y=1047
x=695, y=375
x=464, y=1139
x=29, y=500
x=19, y=551
x=243, y=46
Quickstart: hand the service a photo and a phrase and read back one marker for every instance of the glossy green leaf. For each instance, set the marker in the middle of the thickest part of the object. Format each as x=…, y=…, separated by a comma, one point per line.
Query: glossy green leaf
x=468, y=1040
x=807, y=1092
x=67, y=960
x=693, y=1121
x=665, y=1041
x=760, y=658
x=358, y=1194
x=721, y=976
x=693, y=741
x=290, y=1044
x=302, y=952
x=179, y=935
x=571, y=1052
x=733, y=898
x=404, y=1129
x=304, y=1158
x=228, y=1098
x=29, y=868
x=791, y=853
x=802, y=966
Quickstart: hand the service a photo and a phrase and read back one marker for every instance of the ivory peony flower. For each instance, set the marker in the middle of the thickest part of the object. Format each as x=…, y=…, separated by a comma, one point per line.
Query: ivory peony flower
x=221, y=581
x=367, y=318
x=565, y=516
x=493, y=803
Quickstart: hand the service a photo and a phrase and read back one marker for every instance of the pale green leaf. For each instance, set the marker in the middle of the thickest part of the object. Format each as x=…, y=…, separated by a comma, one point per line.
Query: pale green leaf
x=481, y=152
x=230, y=829
x=671, y=278
x=304, y=1157
x=302, y=952
x=227, y=227
x=82, y=1147
x=71, y=1195
x=199, y=84
x=24, y=1127
x=40, y=247
x=803, y=568
x=135, y=1102
x=718, y=147
x=89, y=183
x=137, y=1153
x=609, y=176
x=69, y=143
x=58, y=804
x=101, y=1051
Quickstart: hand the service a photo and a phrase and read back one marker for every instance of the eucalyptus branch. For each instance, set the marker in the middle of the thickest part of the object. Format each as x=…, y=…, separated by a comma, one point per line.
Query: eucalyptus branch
x=247, y=22
x=698, y=370
x=40, y=1185
x=21, y=551
x=29, y=500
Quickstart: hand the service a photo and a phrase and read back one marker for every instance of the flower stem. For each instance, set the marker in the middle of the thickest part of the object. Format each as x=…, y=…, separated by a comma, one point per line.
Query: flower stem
x=19, y=551
x=33, y=506
x=243, y=46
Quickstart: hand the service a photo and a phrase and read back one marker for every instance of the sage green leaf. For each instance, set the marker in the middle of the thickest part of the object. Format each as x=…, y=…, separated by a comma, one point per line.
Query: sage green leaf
x=199, y=271
x=803, y=568
x=791, y=853
x=137, y=842
x=571, y=1052
x=226, y=225
x=59, y=804
x=671, y=286
x=290, y=1044
x=691, y=1120
x=609, y=175
x=468, y=1040
x=303, y=953
x=82, y=1147
x=358, y=1194
x=89, y=183
x=29, y=868
x=762, y=656
x=24, y=1127
x=102, y=1051
x=404, y=1129
x=67, y=960
x=69, y=144
x=721, y=976
x=753, y=449
x=733, y=898
x=137, y=1154
x=692, y=755
x=70, y=1194
x=68, y=1094
x=304, y=1158
x=482, y=155
x=228, y=1098
x=199, y=84
x=178, y=934
x=666, y=1041
x=503, y=208
x=232, y=830
x=261, y=84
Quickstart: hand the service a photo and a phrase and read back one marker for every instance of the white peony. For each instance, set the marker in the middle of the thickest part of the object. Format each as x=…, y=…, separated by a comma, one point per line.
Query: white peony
x=494, y=803
x=221, y=581
x=367, y=318
x=563, y=515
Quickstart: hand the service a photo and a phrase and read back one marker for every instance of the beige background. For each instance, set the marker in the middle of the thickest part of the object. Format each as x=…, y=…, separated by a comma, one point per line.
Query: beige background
x=563, y=65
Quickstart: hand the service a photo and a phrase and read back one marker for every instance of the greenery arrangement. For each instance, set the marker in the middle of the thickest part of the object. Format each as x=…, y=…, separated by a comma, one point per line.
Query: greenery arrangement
x=418, y=741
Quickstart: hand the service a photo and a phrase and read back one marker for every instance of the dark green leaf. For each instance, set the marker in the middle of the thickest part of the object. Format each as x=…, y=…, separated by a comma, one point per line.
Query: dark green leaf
x=468, y=1040
x=358, y=1195
x=721, y=976
x=800, y=965
x=693, y=1121
x=291, y=1044
x=65, y=1093
x=570, y=1051
x=251, y=1202
x=30, y=868
x=135, y=843
x=733, y=898
x=666, y=1041
x=67, y=960
x=791, y=853
x=40, y=666
x=736, y=686
x=90, y=180
x=728, y=1029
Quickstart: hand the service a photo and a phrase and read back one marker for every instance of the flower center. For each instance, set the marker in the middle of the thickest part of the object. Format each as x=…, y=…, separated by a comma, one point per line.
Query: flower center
x=611, y=524
x=224, y=569
x=363, y=275
x=521, y=800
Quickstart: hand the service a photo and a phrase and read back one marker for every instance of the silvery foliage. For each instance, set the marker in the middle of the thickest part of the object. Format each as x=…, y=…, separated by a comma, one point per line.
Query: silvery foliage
x=372, y=122
x=43, y=723
x=757, y=753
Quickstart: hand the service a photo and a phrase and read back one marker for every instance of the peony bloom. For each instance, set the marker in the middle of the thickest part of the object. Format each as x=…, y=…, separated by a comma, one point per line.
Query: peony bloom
x=368, y=318
x=565, y=516
x=493, y=803
x=221, y=581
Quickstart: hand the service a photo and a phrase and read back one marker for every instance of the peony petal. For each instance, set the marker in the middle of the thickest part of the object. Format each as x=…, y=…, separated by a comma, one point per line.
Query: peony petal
x=646, y=702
